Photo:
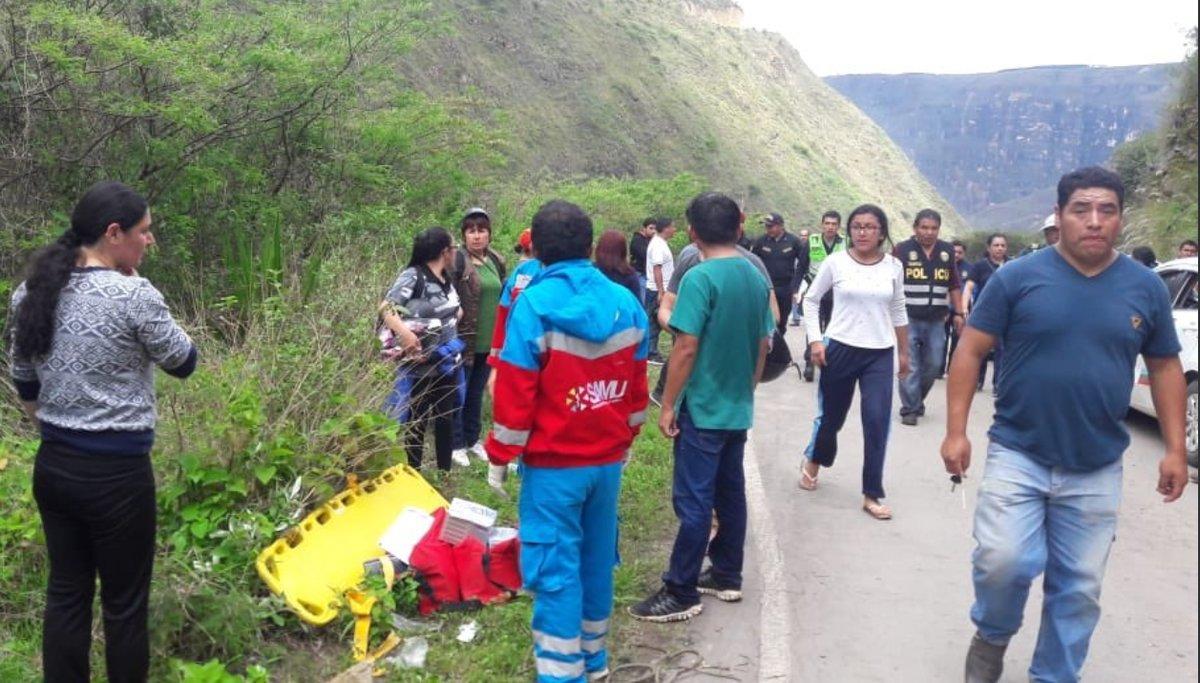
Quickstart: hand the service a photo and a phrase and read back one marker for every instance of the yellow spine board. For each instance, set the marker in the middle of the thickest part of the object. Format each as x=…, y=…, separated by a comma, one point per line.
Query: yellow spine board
x=322, y=557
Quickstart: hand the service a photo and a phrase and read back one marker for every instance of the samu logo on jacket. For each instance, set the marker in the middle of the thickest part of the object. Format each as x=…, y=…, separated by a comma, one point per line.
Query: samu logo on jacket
x=596, y=394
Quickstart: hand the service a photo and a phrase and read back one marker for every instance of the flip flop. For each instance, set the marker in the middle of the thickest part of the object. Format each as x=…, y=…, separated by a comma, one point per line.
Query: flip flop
x=877, y=510
x=807, y=481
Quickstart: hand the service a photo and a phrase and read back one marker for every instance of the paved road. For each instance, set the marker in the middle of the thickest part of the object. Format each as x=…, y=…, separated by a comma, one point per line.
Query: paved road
x=834, y=595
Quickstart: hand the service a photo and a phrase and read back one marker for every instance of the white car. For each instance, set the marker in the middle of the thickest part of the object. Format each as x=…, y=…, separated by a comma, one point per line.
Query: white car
x=1180, y=277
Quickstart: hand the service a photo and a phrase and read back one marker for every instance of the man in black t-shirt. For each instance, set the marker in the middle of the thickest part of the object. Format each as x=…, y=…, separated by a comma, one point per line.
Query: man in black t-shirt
x=997, y=255
x=638, y=244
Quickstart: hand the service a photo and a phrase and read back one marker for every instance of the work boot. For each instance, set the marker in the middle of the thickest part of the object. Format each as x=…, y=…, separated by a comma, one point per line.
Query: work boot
x=808, y=372
x=985, y=661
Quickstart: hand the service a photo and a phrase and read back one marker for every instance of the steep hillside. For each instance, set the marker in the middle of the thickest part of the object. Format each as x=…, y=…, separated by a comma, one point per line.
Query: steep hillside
x=1160, y=171
x=652, y=88
x=995, y=144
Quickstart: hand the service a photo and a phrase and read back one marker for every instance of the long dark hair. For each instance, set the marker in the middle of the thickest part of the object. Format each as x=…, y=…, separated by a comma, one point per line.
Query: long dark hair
x=879, y=215
x=103, y=204
x=612, y=254
x=428, y=245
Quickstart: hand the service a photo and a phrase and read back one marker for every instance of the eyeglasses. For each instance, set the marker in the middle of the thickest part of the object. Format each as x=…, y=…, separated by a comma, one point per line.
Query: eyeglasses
x=858, y=227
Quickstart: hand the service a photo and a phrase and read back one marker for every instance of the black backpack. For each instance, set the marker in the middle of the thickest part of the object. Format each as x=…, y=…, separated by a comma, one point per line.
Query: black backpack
x=779, y=358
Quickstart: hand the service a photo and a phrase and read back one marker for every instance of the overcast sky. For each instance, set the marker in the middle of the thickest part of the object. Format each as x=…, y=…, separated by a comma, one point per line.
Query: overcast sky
x=961, y=36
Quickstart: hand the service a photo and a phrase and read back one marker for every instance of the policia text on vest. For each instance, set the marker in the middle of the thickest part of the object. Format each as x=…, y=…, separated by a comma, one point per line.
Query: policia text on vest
x=928, y=279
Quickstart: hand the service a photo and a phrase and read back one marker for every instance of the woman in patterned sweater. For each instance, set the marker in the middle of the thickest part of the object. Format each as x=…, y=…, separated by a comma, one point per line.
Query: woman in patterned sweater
x=87, y=333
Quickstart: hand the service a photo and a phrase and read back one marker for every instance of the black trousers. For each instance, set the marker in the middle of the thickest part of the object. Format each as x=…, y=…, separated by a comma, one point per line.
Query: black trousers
x=783, y=297
x=98, y=514
x=432, y=400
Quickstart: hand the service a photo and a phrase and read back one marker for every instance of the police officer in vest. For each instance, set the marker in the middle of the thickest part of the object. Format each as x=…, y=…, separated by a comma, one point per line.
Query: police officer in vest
x=783, y=254
x=932, y=291
x=820, y=246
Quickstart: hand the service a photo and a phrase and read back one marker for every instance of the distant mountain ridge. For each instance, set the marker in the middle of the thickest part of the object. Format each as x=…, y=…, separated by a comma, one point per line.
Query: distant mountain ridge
x=652, y=88
x=995, y=144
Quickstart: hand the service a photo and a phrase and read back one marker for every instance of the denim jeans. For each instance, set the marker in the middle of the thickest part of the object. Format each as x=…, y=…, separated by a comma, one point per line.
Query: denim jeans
x=642, y=289
x=926, y=350
x=708, y=476
x=468, y=420
x=1033, y=519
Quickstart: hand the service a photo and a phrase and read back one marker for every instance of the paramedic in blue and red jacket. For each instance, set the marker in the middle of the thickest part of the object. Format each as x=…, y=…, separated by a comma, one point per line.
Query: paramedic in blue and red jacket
x=570, y=398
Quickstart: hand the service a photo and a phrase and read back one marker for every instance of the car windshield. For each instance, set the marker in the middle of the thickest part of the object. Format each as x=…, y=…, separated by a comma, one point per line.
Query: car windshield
x=1179, y=281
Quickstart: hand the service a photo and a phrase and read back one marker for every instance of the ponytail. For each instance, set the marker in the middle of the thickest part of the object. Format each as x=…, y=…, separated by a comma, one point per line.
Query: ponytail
x=102, y=205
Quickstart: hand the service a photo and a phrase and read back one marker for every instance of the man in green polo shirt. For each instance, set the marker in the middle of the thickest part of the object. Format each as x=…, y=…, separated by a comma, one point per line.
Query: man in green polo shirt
x=820, y=246
x=723, y=322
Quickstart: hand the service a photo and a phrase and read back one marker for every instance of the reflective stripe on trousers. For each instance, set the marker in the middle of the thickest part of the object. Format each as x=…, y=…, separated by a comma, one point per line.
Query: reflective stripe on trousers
x=595, y=636
x=568, y=552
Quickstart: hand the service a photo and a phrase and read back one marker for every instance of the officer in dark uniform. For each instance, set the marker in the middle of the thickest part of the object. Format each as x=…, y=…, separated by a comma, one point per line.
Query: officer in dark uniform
x=933, y=292
x=786, y=260
x=963, y=266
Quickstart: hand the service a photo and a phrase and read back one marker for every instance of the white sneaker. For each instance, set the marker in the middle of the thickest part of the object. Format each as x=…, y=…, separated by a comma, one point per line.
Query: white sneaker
x=479, y=451
x=459, y=456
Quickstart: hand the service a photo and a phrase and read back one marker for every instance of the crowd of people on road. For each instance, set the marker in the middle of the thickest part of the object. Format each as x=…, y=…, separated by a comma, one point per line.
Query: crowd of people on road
x=561, y=341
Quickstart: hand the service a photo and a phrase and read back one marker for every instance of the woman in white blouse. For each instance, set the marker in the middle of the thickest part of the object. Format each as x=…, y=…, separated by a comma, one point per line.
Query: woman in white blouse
x=869, y=323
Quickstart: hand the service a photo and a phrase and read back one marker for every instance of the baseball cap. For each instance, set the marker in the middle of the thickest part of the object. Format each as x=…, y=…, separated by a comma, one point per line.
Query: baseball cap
x=526, y=239
x=1050, y=222
x=476, y=211
x=773, y=219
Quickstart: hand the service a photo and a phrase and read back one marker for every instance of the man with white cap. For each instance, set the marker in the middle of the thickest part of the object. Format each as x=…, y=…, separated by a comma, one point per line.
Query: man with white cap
x=1049, y=233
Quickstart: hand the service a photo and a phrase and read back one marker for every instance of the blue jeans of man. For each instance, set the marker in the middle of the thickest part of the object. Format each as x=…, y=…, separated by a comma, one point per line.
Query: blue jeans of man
x=568, y=552
x=468, y=420
x=1032, y=519
x=708, y=476
x=871, y=370
x=642, y=289
x=926, y=350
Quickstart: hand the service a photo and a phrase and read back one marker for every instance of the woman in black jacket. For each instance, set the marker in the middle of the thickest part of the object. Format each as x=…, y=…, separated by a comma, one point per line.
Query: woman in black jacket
x=611, y=259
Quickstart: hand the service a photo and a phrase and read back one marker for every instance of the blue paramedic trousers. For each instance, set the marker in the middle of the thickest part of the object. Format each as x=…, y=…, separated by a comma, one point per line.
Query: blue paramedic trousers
x=568, y=552
x=872, y=370
x=708, y=476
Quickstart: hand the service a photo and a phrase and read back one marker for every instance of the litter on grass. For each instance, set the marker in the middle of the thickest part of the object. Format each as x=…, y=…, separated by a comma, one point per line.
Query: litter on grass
x=467, y=632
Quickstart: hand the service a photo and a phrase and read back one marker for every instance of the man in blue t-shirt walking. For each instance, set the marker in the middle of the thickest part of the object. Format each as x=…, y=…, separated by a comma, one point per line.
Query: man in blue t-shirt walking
x=1073, y=319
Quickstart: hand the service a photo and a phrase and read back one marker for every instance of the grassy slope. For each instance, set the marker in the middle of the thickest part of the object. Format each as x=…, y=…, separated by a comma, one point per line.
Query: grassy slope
x=644, y=89
x=1163, y=210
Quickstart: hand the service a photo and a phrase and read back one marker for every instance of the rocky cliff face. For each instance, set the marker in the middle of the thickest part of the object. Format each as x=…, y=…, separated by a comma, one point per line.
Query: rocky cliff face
x=994, y=144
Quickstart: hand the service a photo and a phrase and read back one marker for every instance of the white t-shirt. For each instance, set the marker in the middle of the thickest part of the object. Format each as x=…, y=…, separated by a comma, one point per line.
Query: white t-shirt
x=658, y=253
x=868, y=301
